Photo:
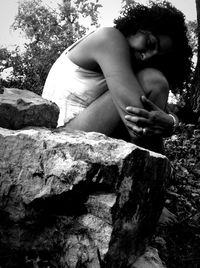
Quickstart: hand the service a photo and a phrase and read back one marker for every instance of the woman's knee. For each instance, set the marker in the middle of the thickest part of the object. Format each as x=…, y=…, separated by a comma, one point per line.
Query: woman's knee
x=153, y=81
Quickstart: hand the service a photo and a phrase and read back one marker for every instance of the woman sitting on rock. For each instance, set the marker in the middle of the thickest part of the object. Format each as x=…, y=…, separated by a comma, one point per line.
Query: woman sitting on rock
x=116, y=80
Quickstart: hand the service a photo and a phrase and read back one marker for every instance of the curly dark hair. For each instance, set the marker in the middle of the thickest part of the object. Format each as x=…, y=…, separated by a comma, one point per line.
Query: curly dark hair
x=162, y=19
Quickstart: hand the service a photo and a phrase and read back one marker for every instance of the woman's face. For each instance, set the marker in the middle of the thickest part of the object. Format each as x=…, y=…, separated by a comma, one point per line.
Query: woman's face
x=145, y=45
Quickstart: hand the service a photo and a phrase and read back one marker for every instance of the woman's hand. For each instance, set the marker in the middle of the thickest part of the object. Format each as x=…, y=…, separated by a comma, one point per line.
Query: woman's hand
x=151, y=121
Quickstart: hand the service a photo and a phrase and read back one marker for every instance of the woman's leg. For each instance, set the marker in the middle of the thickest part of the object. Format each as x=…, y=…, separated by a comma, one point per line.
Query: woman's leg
x=156, y=88
x=102, y=116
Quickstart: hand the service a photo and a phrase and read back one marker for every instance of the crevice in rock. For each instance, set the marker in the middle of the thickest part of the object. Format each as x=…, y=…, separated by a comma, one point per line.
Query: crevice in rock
x=69, y=203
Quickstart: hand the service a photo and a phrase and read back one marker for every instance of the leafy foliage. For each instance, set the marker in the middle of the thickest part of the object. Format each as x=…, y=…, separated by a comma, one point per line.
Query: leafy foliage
x=179, y=244
x=193, y=35
x=194, y=99
x=48, y=33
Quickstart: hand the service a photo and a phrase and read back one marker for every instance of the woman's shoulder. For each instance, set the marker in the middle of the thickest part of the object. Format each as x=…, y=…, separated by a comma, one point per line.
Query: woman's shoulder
x=106, y=30
x=108, y=33
x=106, y=37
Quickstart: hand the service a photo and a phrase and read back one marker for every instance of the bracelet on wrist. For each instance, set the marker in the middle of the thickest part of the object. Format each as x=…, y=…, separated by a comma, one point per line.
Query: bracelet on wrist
x=175, y=122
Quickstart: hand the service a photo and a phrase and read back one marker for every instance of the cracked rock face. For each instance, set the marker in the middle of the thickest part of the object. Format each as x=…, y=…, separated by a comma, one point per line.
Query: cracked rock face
x=22, y=108
x=76, y=199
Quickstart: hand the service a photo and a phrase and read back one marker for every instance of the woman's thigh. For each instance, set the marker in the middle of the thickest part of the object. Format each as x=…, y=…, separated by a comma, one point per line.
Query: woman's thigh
x=102, y=116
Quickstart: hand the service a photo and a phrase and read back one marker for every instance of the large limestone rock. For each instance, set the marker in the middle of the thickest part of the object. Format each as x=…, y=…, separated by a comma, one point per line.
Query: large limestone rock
x=22, y=108
x=77, y=199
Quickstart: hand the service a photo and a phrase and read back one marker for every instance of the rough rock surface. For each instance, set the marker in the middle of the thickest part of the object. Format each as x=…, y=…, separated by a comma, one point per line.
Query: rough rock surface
x=22, y=108
x=76, y=199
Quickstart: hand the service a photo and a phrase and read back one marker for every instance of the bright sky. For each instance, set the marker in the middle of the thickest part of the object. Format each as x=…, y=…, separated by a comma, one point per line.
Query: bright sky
x=8, y=10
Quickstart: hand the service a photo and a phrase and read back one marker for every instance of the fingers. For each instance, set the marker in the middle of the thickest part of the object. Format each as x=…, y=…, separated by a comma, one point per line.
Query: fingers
x=139, y=121
x=137, y=111
x=135, y=129
x=144, y=122
x=149, y=105
x=144, y=131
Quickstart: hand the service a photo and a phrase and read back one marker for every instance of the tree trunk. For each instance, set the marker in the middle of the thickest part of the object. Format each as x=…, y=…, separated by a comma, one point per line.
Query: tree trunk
x=195, y=88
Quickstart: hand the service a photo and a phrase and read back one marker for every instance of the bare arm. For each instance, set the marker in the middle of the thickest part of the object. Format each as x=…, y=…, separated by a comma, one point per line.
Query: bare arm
x=111, y=52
